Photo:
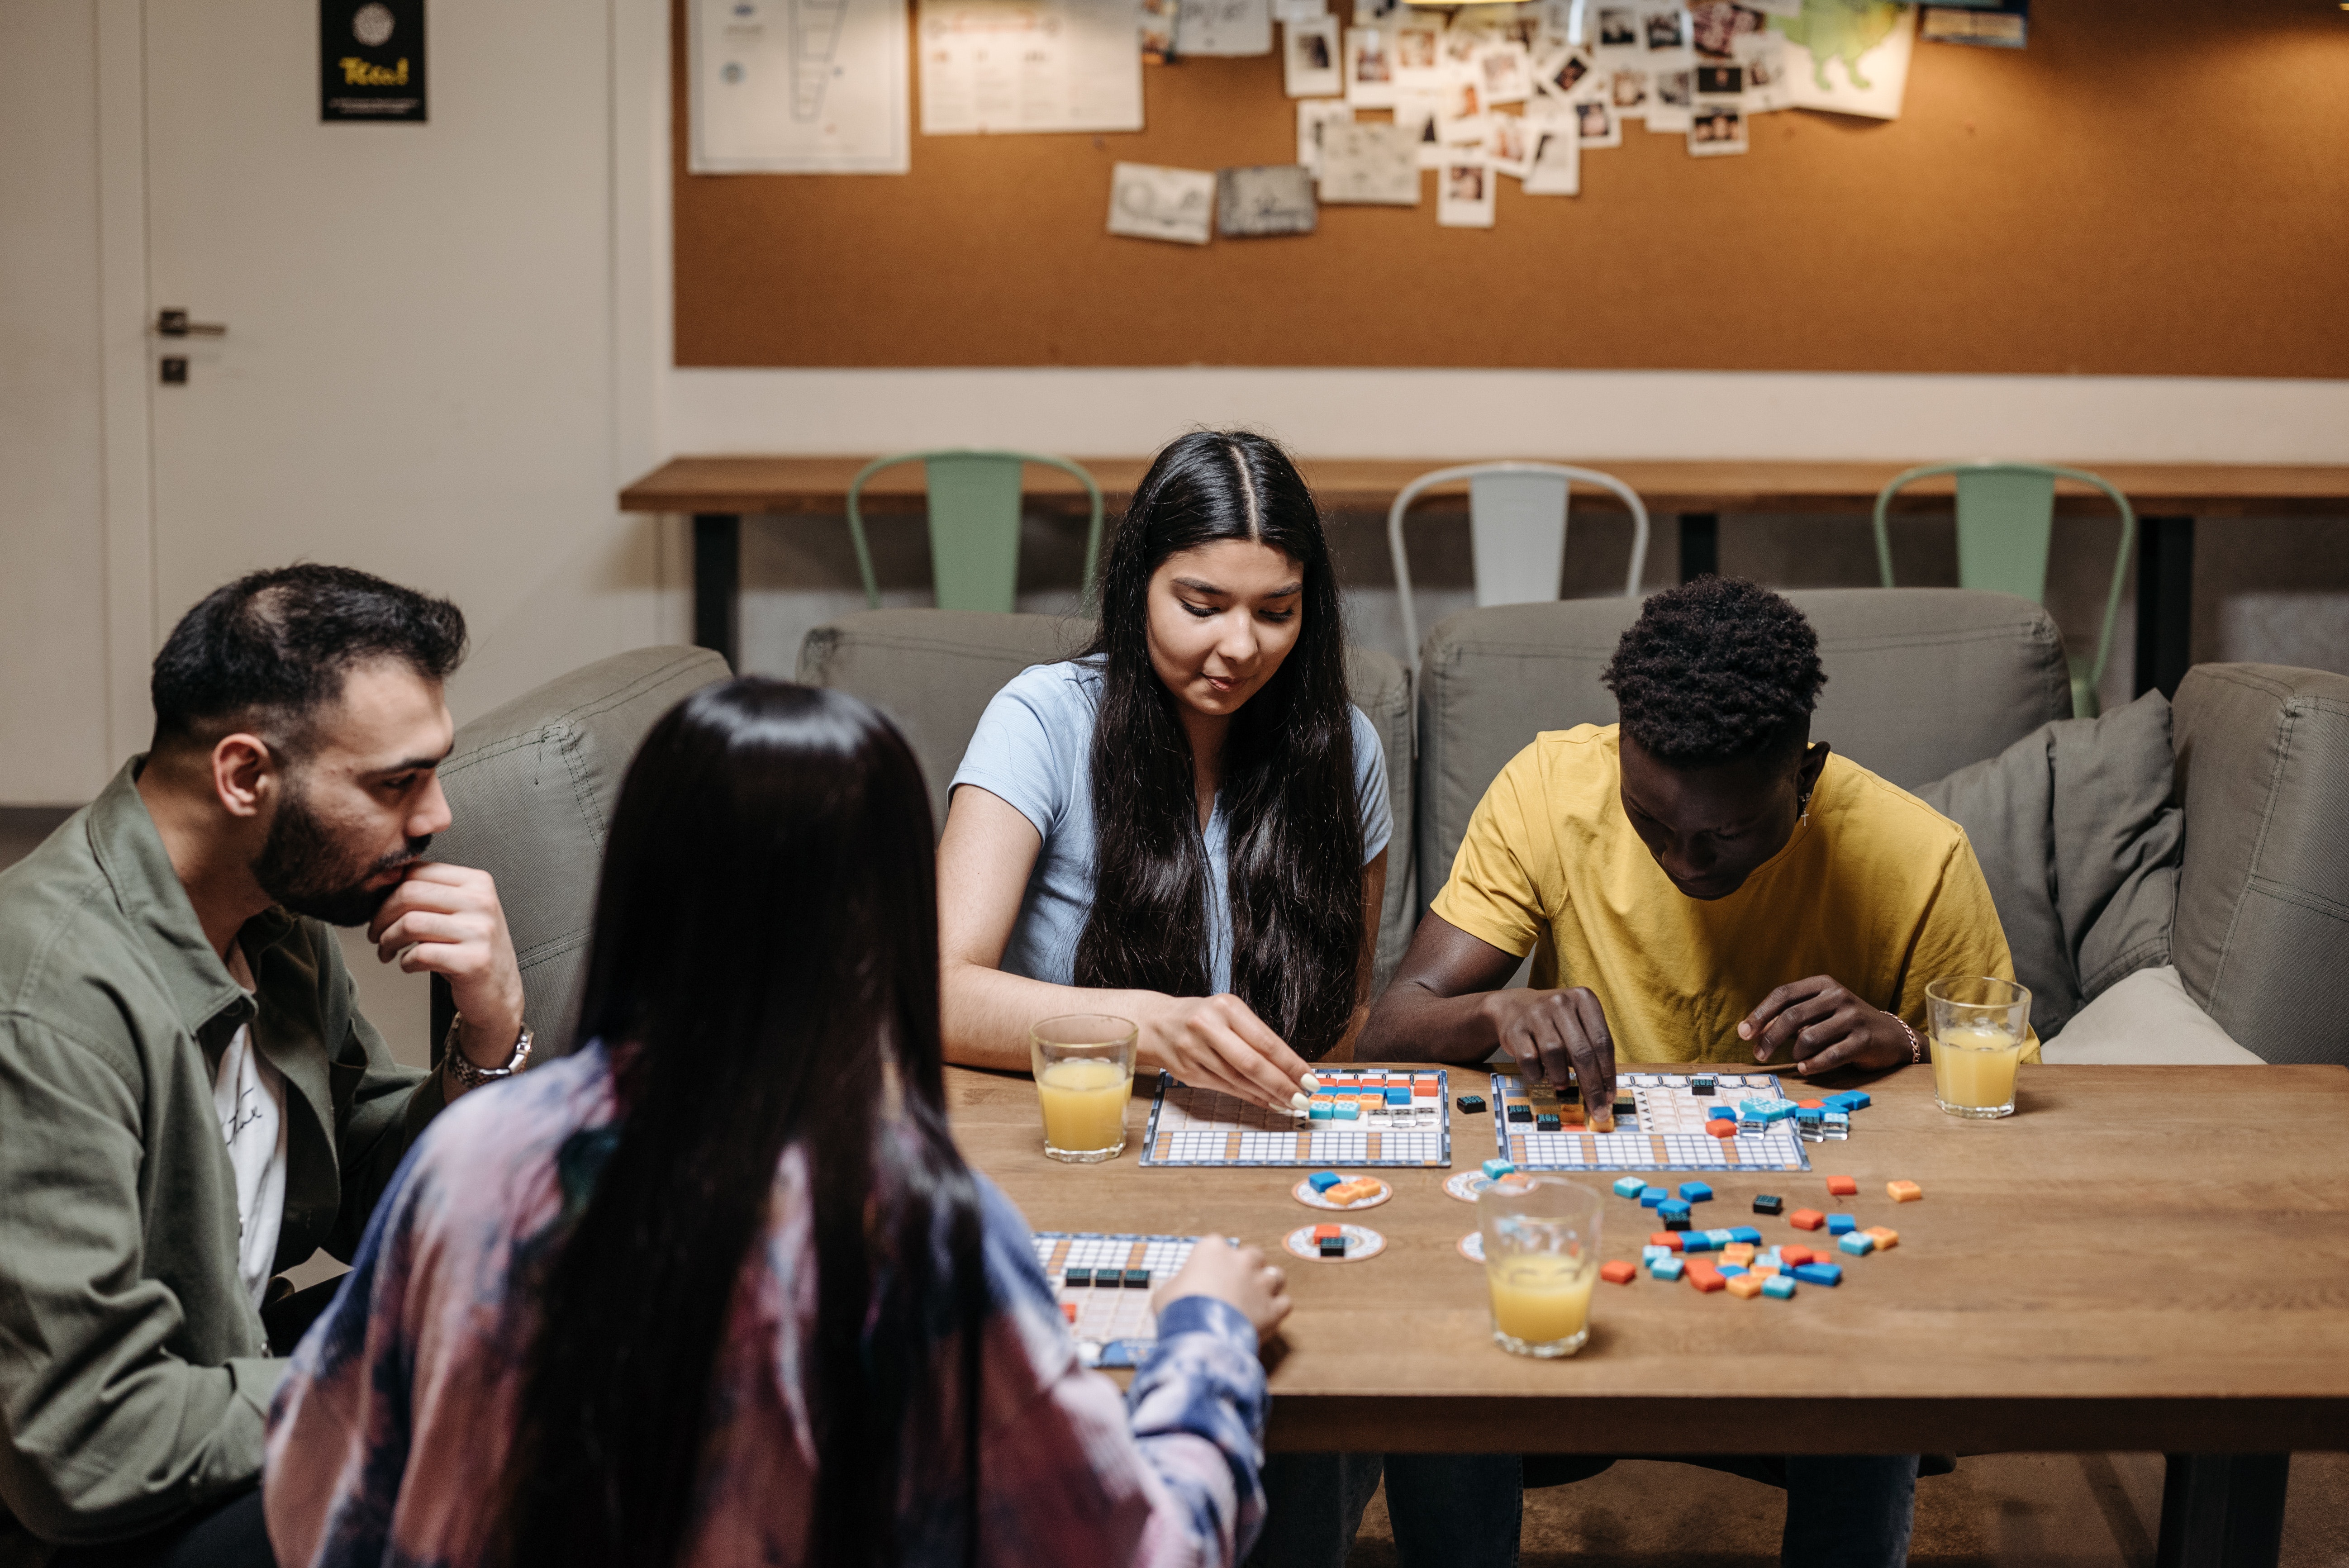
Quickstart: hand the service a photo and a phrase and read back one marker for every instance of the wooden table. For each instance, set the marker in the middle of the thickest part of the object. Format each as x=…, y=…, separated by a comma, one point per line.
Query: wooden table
x=2142, y=1258
x=719, y=490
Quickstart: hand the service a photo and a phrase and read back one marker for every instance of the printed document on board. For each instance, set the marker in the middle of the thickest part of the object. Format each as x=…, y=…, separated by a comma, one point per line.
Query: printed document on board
x=799, y=87
x=1029, y=64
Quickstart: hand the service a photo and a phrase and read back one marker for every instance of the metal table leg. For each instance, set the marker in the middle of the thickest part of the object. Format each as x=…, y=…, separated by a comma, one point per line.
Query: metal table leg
x=2222, y=1511
x=718, y=584
x=2165, y=603
x=1700, y=544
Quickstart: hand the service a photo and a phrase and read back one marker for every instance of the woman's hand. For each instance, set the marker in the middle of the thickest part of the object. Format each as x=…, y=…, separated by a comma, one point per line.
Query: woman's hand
x=1237, y=1275
x=1216, y=1042
x=1827, y=1026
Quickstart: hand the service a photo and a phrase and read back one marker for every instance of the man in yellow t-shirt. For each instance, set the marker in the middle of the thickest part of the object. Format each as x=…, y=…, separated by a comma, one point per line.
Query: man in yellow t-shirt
x=1699, y=882
x=1703, y=882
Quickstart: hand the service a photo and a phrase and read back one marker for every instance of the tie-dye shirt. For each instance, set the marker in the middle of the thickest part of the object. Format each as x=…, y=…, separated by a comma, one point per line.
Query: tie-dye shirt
x=388, y=1434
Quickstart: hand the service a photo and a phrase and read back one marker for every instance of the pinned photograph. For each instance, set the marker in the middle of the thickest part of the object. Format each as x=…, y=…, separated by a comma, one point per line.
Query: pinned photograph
x=1415, y=115
x=1150, y=202
x=1505, y=72
x=1373, y=165
x=1720, y=81
x=1419, y=54
x=1714, y=27
x=1568, y=74
x=1668, y=103
x=1508, y=146
x=1765, y=57
x=1223, y=27
x=1619, y=27
x=1715, y=128
x=1524, y=28
x=1369, y=68
x=1309, y=59
x=1664, y=28
x=1464, y=100
x=1628, y=90
x=1595, y=124
x=1314, y=117
x=1464, y=194
x=1269, y=199
x=1375, y=12
x=1555, y=167
x=1300, y=10
x=1158, y=25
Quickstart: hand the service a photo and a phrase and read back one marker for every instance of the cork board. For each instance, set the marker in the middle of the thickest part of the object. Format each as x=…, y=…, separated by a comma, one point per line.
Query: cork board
x=2155, y=187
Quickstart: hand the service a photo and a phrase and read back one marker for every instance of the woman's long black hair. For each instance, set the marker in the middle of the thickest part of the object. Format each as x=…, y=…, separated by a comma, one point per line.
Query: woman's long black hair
x=1295, y=828
x=765, y=972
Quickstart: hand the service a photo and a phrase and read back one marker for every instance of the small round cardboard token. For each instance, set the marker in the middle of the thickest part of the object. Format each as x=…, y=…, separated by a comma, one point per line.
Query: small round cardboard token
x=1472, y=1246
x=1361, y=1243
x=1304, y=1193
x=1469, y=1185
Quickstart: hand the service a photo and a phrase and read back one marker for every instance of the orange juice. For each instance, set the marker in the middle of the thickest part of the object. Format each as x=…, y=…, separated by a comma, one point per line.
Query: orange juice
x=1542, y=1299
x=1084, y=1104
x=1973, y=1067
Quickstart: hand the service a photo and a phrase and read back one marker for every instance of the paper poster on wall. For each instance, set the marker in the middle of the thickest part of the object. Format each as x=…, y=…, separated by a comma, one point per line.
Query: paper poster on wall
x=799, y=87
x=371, y=60
x=1223, y=27
x=1849, y=55
x=997, y=66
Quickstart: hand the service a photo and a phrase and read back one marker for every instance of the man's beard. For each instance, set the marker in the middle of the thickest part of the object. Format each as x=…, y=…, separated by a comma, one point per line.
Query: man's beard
x=303, y=868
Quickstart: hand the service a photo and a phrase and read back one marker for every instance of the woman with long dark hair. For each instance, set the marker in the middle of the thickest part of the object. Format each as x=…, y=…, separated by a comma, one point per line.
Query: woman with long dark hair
x=1186, y=825
x=718, y=1289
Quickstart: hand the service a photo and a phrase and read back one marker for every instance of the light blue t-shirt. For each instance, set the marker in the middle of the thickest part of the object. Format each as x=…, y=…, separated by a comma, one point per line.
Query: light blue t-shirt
x=1033, y=748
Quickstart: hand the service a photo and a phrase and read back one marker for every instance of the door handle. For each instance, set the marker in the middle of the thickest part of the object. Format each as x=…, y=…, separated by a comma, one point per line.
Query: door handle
x=175, y=324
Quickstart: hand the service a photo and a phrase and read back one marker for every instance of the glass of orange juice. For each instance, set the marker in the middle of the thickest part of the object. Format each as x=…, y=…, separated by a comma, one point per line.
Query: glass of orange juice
x=1084, y=1075
x=1541, y=1255
x=1979, y=1023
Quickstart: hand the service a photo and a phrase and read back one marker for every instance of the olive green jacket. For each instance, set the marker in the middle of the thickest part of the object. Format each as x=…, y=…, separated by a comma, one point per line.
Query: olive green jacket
x=134, y=1374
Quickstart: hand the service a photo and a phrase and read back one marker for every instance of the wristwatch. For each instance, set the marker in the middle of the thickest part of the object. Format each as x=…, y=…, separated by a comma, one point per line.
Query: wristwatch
x=461, y=1066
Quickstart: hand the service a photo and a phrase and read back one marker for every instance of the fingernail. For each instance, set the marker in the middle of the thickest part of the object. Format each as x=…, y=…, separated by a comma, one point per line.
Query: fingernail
x=1299, y=1101
x=1745, y=1031
x=1311, y=1084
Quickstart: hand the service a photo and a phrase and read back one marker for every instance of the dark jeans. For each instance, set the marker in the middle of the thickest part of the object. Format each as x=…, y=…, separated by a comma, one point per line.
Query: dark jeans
x=1843, y=1510
x=231, y=1535
x=1462, y=1511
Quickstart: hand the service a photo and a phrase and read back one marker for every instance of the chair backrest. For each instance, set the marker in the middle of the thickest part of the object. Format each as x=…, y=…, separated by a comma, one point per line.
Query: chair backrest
x=2263, y=893
x=1920, y=681
x=1516, y=532
x=2006, y=516
x=933, y=670
x=974, y=507
x=530, y=790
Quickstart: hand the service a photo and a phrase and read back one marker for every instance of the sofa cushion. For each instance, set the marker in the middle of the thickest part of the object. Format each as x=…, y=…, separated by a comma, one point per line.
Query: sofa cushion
x=1920, y=681
x=933, y=670
x=2263, y=895
x=530, y=790
x=2080, y=842
x=2145, y=1018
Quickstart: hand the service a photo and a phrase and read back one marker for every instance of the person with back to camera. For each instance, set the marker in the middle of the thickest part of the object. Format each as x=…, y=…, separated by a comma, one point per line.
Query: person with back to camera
x=720, y=1290
x=189, y=1099
x=1187, y=825
x=1704, y=882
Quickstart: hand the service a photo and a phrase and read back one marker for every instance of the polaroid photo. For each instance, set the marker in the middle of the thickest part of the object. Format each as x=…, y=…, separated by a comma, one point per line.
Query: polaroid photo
x=1370, y=164
x=1375, y=12
x=1419, y=54
x=1720, y=81
x=1415, y=113
x=1464, y=100
x=1668, y=103
x=1269, y=199
x=1461, y=41
x=1629, y=89
x=1505, y=72
x=1300, y=10
x=1716, y=126
x=1554, y=166
x=1664, y=29
x=1619, y=27
x=1314, y=118
x=1149, y=201
x=1370, y=68
x=1763, y=55
x=1508, y=144
x=1567, y=21
x=1596, y=125
x=1568, y=74
x=1308, y=59
x=1777, y=7
x=1463, y=194
x=1223, y=27
x=1716, y=27
x=1523, y=28
x=1159, y=21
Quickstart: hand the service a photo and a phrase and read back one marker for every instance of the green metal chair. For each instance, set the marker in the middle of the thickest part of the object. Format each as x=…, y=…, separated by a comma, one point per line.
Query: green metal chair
x=2006, y=513
x=974, y=496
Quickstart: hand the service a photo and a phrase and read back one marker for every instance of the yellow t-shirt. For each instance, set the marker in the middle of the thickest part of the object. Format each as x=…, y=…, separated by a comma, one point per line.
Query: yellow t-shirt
x=1877, y=889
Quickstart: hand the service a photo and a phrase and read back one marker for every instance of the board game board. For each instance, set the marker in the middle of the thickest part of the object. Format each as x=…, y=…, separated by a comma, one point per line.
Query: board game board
x=1663, y=1131
x=1113, y=1323
x=1399, y=1117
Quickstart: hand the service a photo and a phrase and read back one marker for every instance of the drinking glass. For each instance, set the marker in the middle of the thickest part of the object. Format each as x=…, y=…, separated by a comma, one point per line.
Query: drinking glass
x=1978, y=1022
x=1541, y=1254
x=1084, y=1075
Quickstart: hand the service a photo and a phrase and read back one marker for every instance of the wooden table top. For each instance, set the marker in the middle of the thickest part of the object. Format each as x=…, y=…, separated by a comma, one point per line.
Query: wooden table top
x=2144, y=1258
x=818, y=484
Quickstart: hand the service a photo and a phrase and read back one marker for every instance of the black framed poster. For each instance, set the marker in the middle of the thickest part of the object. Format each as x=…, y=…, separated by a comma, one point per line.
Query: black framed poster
x=371, y=59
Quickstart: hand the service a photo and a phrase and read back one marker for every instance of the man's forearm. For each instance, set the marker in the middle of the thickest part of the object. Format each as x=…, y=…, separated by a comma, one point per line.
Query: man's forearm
x=1412, y=1024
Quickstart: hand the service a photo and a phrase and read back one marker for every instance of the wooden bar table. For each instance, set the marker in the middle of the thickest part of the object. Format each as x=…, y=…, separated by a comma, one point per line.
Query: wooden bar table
x=719, y=491
x=2141, y=1258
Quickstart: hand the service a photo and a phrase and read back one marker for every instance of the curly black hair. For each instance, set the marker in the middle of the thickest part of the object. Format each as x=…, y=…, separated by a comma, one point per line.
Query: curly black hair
x=1716, y=671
